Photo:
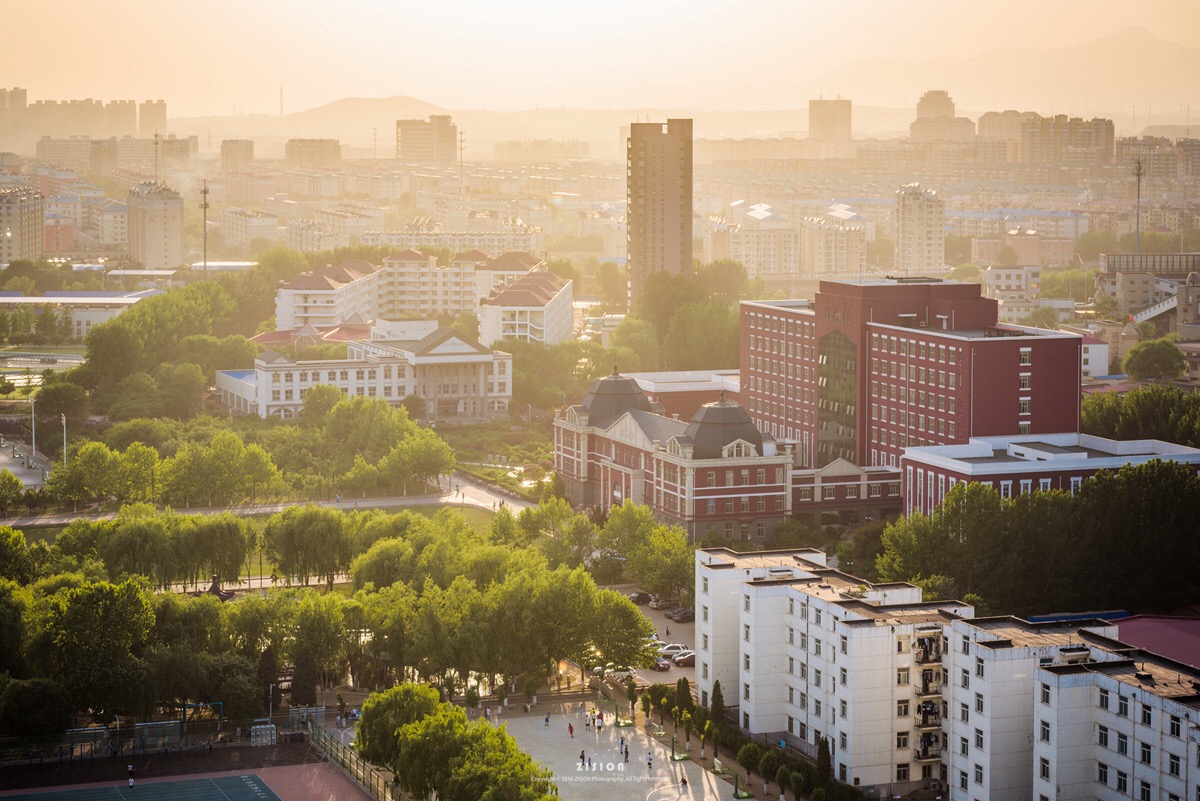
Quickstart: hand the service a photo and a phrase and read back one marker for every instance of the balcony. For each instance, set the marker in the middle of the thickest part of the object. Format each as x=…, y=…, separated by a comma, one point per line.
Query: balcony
x=927, y=656
x=928, y=689
x=930, y=753
x=928, y=716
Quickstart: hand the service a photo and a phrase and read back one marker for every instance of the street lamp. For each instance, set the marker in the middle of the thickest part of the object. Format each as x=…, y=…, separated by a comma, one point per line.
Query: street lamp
x=270, y=700
x=32, y=428
x=64, y=422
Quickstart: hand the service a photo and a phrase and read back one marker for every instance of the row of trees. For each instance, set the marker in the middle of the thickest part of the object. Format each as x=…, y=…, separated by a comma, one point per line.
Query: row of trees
x=1124, y=541
x=432, y=748
x=1151, y=412
x=456, y=610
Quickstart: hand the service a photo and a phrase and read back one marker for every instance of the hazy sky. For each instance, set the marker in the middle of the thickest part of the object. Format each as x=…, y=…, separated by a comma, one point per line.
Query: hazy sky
x=231, y=56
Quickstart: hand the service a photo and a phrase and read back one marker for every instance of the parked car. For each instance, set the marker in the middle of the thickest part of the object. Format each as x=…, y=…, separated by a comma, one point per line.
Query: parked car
x=639, y=598
x=661, y=664
x=685, y=659
x=672, y=649
x=684, y=615
x=658, y=602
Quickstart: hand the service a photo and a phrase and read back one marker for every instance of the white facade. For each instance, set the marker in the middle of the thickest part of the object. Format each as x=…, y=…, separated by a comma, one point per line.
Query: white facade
x=920, y=230
x=241, y=227
x=21, y=224
x=155, y=226
x=536, y=308
x=309, y=236
x=527, y=240
x=915, y=695
x=455, y=378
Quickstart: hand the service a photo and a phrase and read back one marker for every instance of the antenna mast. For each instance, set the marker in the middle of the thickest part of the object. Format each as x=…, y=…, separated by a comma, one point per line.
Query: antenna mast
x=1137, y=241
x=204, y=208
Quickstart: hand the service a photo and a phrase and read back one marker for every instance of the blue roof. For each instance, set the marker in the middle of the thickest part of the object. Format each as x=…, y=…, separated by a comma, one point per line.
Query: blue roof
x=240, y=375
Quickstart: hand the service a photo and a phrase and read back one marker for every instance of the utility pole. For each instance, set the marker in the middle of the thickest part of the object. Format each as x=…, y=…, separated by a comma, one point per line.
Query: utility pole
x=1137, y=240
x=204, y=208
x=64, y=422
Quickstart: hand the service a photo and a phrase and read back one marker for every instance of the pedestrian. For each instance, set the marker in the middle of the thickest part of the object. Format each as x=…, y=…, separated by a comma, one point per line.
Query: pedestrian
x=339, y=721
x=580, y=714
x=547, y=720
x=582, y=759
x=668, y=631
x=130, y=770
x=599, y=726
x=621, y=747
x=131, y=785
x=487, y=714
x=683, y=781
x=571, y=730
x=649, y=762
x=589, y=763
x=626, y=755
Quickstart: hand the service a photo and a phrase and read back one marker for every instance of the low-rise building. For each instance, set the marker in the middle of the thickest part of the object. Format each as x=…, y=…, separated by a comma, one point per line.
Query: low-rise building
x=1021, y=464
x=242, y=227
x=535, y=308
x=455, y=378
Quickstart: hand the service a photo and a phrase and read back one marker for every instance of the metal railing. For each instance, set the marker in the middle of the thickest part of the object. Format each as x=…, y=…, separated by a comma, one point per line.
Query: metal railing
x=377, y=785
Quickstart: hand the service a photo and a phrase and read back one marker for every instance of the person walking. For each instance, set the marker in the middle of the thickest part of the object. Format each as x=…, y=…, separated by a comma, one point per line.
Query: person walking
x=547, y=720
x=621, y=747
x=626, y=755
x=571, y=730
x=649, y=762
x=131, y=785
x=582, y=759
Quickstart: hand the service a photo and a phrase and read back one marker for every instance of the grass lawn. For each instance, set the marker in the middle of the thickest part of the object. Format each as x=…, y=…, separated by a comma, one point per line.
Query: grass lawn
x=477, y=518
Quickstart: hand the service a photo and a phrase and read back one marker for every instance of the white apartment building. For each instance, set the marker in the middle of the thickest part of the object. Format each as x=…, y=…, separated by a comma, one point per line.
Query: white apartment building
x=241, y=227
x=310, y=236
x=409, y=283
x=830, y=249
x=920, y=230
x=155, y=226
x=108, y=220
x=911, y=694
x=21, y=224
x=538, y=307
x=456, y=378
x=526, y=240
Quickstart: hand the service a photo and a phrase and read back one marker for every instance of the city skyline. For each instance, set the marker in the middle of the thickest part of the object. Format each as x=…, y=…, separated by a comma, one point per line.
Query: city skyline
x=668, y=55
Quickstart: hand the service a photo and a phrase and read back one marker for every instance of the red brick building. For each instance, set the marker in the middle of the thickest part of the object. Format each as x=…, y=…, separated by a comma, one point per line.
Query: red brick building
x=871, y=367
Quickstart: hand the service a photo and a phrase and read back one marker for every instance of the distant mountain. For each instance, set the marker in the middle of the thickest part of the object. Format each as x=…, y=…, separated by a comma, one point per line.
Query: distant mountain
x=1106, y=76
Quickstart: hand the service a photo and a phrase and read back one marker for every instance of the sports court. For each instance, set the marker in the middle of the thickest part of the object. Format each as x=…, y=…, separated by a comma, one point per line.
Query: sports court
x=221, y=788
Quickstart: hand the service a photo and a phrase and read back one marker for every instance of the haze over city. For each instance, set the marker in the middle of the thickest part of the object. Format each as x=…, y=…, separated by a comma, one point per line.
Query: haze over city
x=228, y=57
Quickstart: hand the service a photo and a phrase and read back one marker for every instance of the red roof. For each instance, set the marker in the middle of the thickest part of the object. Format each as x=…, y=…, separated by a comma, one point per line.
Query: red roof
x=1176, y=638
x=344, y=332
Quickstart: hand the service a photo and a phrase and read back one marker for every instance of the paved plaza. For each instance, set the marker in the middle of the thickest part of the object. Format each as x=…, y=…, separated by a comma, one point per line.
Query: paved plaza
x=610, y=777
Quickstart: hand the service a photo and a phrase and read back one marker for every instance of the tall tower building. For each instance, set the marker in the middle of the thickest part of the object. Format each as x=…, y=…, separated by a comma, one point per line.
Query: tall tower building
x=659, y=200
x=829, y=120
x=920, y=246
x=236, y=154
x=155, y=223
x=432, y=142
x=21, y=231
x=152, y=118
x=934, y=104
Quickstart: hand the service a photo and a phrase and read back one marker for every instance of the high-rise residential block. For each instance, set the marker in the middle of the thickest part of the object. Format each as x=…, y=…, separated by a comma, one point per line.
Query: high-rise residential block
x=152, y=118
x=659, y=200
x=427, y=142
x=829, y=120
x=21, y=224
x=920, y=245
x=313, y=152
x=236, y=154
x=155, y=215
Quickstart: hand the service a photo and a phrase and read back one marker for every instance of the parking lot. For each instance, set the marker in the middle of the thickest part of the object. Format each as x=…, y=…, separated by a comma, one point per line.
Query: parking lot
x=669, y=631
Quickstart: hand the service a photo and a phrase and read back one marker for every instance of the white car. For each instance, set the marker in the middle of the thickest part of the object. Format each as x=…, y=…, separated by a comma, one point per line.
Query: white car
x=673, y=650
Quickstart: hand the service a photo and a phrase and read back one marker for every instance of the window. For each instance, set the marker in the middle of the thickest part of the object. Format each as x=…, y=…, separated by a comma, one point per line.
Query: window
x=1026, y=382
x=964, y=748
x=1146, y=718
x=1044, y=768
x=746, y=633
x=842, y=677
x=1044, y=731
x=842, y=708
x=745, y=603
x=704, y=642
x=1145, y=753
x=962, y=779
x=816, y=647
x=745, y=661
x=902, y=739
x=965, y=679
x=979, y=667
x=1025, y=404
x=1175, y=726
x=1045, y=693
x=964, y=712
x=979, y=774
x=1122, y=706
x=817, y=616
x=745, y=692
x=791, y=666
x=902, y=676
x=844, y=645
x=1104, y=699
x=1026, y=356
x=1173, y=764
x=979, y=703
x=1104, y=736
x=902, y=772
x=1122, y=782
x=1102, y=773
x=902, y=709
x=1144, y=791
x=1122, y=744
x=979, y=738
x=966, y=645
x=704, y=614
x=817, y=678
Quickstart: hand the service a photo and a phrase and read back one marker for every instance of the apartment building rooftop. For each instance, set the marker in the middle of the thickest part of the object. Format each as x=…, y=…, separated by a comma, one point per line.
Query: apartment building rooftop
x=1012, y=632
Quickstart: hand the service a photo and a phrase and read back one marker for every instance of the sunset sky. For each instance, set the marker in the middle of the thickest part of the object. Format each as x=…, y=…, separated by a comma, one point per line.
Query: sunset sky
x=231, y=56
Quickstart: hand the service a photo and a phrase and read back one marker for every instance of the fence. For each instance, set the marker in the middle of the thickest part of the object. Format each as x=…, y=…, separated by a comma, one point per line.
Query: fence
x=377, y=785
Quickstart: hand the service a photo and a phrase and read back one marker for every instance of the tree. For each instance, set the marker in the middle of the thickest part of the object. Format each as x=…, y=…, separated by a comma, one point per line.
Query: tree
x=768, y=765
x=1007, y=257
x=11, y=489
x=319, y=400
x=748, y=756
x=182, y=387
x=137, y=474
x=1156, y=359
x=1042, y=317
x=308, y=541
x=614, y=287
x=384, y=713
x=664, y=563
x=99, y=632
x=136, y=396
x=37, y=707
x=59, y=398
x=716, y=712
x=97, y=466
x=701, y=335
x=640, y=338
